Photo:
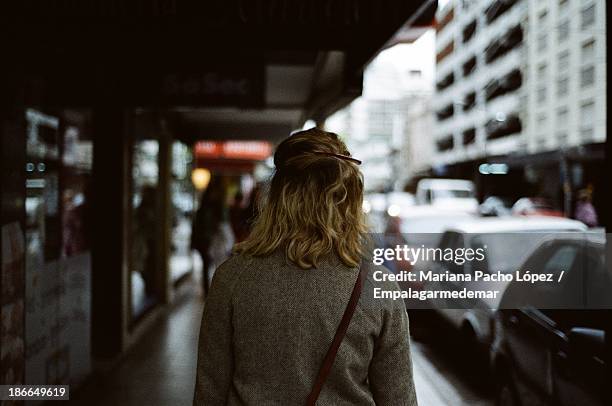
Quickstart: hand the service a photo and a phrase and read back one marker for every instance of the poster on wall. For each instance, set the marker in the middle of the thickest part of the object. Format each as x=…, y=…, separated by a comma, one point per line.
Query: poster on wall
x=11, y=327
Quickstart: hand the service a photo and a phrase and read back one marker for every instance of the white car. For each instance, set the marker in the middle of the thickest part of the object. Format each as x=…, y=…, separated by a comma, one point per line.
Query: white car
x=508, y=242
x=454, y=194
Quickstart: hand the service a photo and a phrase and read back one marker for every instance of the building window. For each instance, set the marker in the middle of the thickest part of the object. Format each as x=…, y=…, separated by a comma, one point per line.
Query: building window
x=542, y=41
x=469, y=136
x=468, y=31
x=446, y=112
x=446, y=81
x=496, y=128
x=588, y=16
x=587, y=112
x=469, y=101
x=542, y=72
x=588, y=51
x=563, y=30
x=587, y=76
x=562, y=113
x=469, y=66
x=541, y=95
x=444, y=21
x=415, y=73
x=587, y=118
x=541, y=121
x=445, y=144
x=446, y=51
x=497, y=8
x=505, y=43
x=562, y=86
x=563, y=60
x=542, y=19
x=500, y=86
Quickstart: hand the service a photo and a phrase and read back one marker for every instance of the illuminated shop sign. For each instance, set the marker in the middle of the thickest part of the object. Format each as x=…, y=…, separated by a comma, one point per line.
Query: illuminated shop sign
x=244, y=150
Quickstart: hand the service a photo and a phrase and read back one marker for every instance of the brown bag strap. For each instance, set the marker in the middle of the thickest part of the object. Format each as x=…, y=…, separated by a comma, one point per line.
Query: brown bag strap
x=340, y=333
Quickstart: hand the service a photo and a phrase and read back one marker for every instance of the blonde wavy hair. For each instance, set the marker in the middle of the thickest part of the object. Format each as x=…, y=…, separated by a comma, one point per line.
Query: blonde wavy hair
x=313, y=206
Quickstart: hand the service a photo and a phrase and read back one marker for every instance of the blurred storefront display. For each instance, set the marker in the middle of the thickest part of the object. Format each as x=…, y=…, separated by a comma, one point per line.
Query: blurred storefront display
x=57, y=247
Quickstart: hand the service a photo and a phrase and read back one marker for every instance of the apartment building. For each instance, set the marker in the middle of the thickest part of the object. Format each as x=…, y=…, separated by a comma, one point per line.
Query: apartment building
x=522, y=82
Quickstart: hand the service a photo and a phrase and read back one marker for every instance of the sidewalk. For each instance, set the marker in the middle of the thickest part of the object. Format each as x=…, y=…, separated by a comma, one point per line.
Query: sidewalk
x=160, y=370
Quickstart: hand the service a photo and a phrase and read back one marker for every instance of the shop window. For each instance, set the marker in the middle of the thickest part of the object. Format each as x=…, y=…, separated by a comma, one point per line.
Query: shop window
x=182, y=196
x=144, y=261
x=59, y=157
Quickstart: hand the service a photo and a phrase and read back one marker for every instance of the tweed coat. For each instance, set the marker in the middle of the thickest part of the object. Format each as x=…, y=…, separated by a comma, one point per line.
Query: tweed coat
x=267, y=325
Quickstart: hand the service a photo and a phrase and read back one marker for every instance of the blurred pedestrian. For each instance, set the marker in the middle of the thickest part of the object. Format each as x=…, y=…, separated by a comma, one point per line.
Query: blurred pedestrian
x=292, y=288
x=211, y=233
x=585, y=211
x=144, y=242
x=239, y=217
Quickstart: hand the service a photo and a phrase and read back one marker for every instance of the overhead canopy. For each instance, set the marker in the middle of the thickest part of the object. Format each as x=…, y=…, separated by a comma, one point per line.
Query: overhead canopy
x=223, y=69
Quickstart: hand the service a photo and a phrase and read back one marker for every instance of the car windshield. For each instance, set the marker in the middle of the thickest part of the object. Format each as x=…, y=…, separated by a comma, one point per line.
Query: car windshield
x=452, y=193
x=505, y=252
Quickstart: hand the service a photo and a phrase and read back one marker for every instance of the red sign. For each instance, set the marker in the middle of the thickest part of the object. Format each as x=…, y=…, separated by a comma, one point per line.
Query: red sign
x=240, y=150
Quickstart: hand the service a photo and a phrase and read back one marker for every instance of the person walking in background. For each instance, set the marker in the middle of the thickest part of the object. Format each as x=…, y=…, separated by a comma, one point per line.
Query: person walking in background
x=291, y=289
x=585, y=211
x=238, y=217
x=209, y=235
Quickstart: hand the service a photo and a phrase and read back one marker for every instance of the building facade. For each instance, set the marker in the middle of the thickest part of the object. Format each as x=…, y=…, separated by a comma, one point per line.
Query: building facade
x=522, y=83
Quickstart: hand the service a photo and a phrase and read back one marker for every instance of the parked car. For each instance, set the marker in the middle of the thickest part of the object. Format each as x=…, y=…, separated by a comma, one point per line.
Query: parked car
x=535, y=206
x=495, y=206
x=508, y=241
x=545, y=351
x=454, y=194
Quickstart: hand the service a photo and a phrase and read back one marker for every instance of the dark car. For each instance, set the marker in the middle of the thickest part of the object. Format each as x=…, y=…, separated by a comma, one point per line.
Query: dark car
x=550, y=348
